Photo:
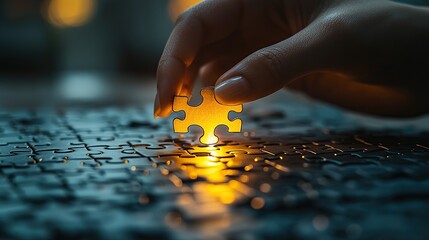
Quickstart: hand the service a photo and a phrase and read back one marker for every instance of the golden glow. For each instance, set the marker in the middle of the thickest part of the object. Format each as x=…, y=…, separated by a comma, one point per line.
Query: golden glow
x=193, y=175
x=240, y=187
x=173, y=219
x=208, y=115
x=265, y=187
x=164, y=171
x=257, y=203
x=216, y=186
x=246, y=134
x=223, y=192
x=244, y=178
x=144, y=199
x=213, y=175
x=248, y=167
x=275, y=165
x=176, y=180
x=212, y=139
x=69, y=13
x=177, y=7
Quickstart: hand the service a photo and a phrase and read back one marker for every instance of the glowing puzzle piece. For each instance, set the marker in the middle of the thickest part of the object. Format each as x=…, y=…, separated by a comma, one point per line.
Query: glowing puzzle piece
x=208, y=115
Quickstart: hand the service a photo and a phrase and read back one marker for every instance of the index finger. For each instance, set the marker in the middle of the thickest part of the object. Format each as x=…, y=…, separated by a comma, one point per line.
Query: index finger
x=208, y=22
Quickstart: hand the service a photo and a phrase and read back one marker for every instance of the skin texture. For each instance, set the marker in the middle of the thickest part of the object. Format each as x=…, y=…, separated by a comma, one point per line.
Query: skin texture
x=370, y=56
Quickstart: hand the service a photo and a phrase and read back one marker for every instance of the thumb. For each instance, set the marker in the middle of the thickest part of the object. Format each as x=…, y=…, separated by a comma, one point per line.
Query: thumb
x=269, y=69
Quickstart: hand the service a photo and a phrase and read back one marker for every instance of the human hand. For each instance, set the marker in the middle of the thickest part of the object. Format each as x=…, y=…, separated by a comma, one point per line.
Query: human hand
x=368, y=56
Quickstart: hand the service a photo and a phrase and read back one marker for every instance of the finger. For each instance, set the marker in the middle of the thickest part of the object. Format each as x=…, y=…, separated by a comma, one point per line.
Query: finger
x=267, y=70
x=214, y=60
x=196, y=27
x=211, y=72
x=343, y=91
x=188, y=80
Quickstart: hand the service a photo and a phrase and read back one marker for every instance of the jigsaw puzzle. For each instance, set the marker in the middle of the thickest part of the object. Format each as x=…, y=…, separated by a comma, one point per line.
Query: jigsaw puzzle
x=208, y=115
x=62, y=174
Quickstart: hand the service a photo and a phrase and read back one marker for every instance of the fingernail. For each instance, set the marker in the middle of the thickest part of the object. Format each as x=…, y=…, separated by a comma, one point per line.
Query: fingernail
x=156, y=107
x=233, y=90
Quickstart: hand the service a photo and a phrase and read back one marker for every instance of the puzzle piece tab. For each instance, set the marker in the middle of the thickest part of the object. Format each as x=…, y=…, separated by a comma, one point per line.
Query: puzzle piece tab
x=208, y=115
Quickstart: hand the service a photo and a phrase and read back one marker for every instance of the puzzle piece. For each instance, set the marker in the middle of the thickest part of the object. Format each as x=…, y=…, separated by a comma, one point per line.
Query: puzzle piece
x=208, y=115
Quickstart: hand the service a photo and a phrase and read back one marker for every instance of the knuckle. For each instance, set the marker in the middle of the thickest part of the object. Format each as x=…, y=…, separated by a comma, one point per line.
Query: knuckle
x=338, y=24
x=338, y=31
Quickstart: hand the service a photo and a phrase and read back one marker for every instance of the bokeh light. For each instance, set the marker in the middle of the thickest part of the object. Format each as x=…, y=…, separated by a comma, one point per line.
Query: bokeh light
x=69, y=13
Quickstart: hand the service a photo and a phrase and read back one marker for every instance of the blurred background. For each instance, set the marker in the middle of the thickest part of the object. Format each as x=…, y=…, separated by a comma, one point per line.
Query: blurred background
x=98, y=51
x=81, y=51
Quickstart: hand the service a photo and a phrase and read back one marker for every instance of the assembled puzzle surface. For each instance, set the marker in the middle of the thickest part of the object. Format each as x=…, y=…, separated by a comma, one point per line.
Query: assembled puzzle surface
x=296, y=172
x=208, y=115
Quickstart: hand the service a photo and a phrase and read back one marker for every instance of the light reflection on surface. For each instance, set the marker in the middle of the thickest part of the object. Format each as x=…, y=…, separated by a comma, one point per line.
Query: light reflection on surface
x=208, y=189
x=216, y=184
x=213, y=181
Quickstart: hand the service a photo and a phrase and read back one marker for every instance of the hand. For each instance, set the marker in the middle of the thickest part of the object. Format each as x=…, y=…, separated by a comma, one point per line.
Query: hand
x=365, y=55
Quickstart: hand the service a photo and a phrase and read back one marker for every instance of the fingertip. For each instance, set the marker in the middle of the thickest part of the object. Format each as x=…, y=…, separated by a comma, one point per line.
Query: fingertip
x=163, y=103
x=165, y=112
x=232, y=91
x=156, y=107
x=166, y=105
